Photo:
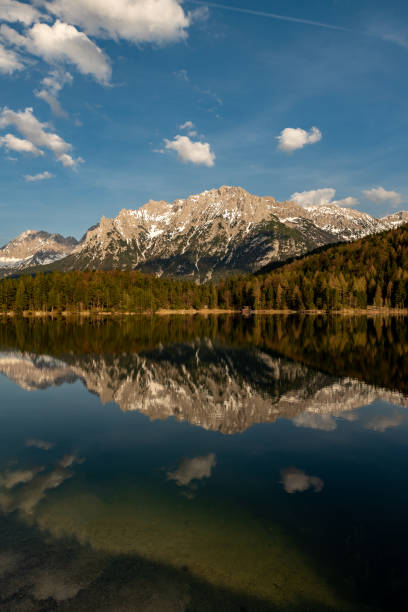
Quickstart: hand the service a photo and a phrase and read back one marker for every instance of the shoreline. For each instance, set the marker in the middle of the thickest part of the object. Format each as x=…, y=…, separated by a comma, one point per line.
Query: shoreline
x=164, y=312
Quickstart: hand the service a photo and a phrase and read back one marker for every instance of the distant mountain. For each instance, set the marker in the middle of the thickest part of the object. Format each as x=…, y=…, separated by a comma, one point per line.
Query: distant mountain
x=32, y=248
x=210, y=235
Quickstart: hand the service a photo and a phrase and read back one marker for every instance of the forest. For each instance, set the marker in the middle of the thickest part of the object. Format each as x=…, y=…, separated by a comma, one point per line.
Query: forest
x=369, y=272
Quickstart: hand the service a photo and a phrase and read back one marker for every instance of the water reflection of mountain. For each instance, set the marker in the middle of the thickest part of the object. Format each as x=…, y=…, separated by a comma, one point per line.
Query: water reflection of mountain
x=205, y=383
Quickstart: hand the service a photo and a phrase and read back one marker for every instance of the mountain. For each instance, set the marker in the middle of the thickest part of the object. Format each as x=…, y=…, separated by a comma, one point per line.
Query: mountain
x=396, y=219
x=204, y=236
x=32, y=248
x=216, y=232
x=366, y=273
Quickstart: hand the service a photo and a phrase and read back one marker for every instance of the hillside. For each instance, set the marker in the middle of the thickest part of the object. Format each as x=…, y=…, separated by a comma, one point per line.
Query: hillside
x=34, y=248
x=372, y=271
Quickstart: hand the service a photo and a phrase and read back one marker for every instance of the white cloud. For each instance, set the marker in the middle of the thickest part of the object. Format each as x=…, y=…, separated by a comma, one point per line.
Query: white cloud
x=139, y=21
x=52, y=85
x=9, y=61
x=198, y=153
x=379, y=195
x=295, y=480
x=188, y=125
x=37, y=134
x=12, y=143
x=12, y=11
x=321, y=197
x=61, y=42
x=291, y=139
x=32, y=178
x=347, y=202
x=196, y=468
x=316, y=197
x=182, y=75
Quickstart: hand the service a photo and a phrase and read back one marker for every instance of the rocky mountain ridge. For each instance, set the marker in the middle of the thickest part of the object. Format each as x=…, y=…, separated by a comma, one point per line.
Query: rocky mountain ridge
x=34, y=248
x=209, y=235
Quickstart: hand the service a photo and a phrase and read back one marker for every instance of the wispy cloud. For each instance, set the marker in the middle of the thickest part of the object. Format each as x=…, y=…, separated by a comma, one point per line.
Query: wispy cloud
x=389, y=32
x=247, y=11
x=42, y=176
x=51, y=86
x=36, y=134
x=379, y=195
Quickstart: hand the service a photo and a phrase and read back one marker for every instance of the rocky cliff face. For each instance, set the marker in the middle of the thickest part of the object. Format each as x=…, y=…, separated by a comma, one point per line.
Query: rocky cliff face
x=202, y=237
x=206, y=235
x=205, y=384
x=216, y=232
x=32, y=248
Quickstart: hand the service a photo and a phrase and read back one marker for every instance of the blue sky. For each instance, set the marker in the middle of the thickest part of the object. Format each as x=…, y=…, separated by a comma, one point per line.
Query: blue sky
x=120, y=79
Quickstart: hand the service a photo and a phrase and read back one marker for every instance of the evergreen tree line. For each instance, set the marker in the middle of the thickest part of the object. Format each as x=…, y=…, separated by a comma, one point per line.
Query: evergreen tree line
x=369, y=272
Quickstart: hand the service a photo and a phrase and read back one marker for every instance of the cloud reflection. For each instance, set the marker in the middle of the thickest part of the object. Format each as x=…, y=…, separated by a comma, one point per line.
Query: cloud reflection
x=40, y=444
x=16, y=477
x=297, y=481
x=196, y=468
x=312, y=420
x=57, y=584
x=33, y=485
x=381, y=423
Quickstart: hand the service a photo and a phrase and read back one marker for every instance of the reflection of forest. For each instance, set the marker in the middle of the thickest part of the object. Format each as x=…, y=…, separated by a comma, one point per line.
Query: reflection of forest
x=219, y=373
x=373, y=350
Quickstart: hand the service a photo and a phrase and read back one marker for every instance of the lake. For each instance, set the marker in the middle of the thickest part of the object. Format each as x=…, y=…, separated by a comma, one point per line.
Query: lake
x=204, y=463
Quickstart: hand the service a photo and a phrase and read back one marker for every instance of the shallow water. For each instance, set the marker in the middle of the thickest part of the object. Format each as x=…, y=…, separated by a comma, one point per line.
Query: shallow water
x=193, y=464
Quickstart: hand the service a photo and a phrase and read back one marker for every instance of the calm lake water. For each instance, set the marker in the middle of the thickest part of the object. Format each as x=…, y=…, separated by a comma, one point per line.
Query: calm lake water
x=197, y=464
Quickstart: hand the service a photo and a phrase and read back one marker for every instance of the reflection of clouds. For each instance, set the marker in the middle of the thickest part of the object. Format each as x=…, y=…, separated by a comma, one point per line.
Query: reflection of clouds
x=54, y=583
x=69, y=460
x=196, y=468
x=15, y=477
x=381, y=423
x=313, y=420
x=32, y=577
x=30, y=493
x=295, y=480
x=40, y=444
x=8, y=562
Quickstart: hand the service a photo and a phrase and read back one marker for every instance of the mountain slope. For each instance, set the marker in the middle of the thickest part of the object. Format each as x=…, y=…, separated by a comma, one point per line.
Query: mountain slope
x=218, y=232
x=206, y=235
x=212, y=234
x=372, y=271
x=33, y=248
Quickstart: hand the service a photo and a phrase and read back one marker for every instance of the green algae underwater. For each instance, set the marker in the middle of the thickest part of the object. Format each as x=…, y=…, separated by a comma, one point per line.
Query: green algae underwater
x=203, y=464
